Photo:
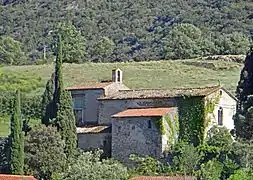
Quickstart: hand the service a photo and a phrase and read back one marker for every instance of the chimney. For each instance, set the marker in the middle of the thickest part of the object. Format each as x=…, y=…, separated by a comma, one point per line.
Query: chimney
x=117, y=76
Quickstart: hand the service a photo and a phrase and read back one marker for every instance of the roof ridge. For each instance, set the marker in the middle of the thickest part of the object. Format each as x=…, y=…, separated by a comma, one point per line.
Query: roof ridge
x=176, y=88
x=146, y=107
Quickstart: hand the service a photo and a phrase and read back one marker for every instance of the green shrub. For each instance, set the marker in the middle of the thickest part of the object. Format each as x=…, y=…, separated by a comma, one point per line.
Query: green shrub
x=88, y=166
x=242, y=174
x=210, y=170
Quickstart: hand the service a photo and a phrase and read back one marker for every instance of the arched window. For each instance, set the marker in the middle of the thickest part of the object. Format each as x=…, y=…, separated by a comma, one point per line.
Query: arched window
x=118, y=76
x=220, y=116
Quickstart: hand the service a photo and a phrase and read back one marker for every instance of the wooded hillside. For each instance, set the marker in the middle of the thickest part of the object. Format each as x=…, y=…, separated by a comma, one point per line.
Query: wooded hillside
x=119, y=30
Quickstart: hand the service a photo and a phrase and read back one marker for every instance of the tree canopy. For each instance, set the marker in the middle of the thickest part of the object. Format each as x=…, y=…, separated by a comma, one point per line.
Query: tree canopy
x=137, y=28
x=244, y=92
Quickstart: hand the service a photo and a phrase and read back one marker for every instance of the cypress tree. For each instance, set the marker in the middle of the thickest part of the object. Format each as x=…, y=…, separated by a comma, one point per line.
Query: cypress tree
x=244, y=92
x=16, y=139
x=57, y=103
x=48, y=109
x=58, y=72
x=65, y=120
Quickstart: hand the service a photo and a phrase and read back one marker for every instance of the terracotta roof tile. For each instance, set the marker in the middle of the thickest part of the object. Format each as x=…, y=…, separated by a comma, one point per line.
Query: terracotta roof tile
x=145, y=112
x=93, y=129
x=15, y=177
x=163, y=178
x=161, y=93
x=88, y=86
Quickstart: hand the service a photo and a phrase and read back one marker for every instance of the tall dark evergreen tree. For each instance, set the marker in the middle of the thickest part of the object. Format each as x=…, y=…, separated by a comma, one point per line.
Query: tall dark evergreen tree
x=48, y=108
x=57, y=103
x=65, y=120
x=244, y=93
x=16, y=139
x=58, y=71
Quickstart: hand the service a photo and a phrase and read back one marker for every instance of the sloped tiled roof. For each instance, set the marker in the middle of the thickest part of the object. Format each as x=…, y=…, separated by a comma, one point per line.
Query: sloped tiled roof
x=142, y=112
x=162, y=93
x=93, y=129
x=163, y=178
x=15, y=177
x=87, y=86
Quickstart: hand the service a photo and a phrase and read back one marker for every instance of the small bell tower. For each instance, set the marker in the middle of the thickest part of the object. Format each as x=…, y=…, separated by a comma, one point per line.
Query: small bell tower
x=117, y=76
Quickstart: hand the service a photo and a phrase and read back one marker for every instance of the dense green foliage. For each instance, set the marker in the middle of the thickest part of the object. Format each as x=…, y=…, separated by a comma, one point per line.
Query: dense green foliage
x=11, y=52
x=88, y=166
x=139, y=29
x=73, y=44
x=65, y=121
x=244, y=93
x=186, y=158
x=192, y=119
x=13, y=81
x=244, y=174
x=44, y=152
x=16, y=139
x=57, y=105
x=4, y=155
x=186, y=41
x=217, y=158
x=210, y=170
x=47, y=102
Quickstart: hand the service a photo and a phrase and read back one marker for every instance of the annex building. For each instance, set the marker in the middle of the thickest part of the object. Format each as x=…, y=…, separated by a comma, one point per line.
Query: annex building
x=123, y=121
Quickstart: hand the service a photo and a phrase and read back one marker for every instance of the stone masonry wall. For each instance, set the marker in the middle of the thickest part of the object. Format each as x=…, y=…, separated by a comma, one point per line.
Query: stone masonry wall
x=133, y=136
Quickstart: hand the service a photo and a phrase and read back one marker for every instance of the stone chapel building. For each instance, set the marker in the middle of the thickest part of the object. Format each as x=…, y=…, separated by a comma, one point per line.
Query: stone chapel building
x=112, y=117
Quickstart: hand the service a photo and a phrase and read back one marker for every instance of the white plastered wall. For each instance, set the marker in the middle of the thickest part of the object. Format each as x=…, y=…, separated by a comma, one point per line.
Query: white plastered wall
x=228, y=104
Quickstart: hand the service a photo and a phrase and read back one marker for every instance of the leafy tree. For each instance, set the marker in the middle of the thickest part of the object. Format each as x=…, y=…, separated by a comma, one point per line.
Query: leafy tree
x=186, y=158
x=211, y=170
x=88, y=166
x=244, y=93
x=73, y=44
x=219, y=149
x=146, y=166
x=44, y=152
x=148, y=21
x=219, y=137
x=48, y=109
x=243, y=153
x=235, y=43
x=182, y=42
x=104, y=48
x=244, y=174
x=11, y=52
x=16, y=139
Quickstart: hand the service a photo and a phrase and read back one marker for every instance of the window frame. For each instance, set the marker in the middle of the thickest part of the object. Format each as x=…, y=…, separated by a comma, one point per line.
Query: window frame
x=220, y=116
x=149, y=124
x=77, y=120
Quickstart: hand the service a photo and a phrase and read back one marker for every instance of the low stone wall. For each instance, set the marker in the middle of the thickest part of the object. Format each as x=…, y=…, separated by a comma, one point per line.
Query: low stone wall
x=93, y=141
x=233, y=58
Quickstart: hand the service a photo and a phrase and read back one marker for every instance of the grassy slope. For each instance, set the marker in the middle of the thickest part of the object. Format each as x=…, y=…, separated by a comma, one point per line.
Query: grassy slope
x=162, y=74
